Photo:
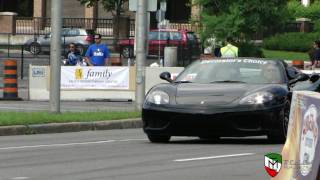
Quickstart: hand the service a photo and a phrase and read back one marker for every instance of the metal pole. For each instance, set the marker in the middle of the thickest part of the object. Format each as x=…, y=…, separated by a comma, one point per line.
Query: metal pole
x=141, y=39
x=55, y=53
x=22, y=61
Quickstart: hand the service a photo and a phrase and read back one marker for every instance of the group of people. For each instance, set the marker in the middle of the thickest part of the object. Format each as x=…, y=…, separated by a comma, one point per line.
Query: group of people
x=97, y=54
x=227, y=51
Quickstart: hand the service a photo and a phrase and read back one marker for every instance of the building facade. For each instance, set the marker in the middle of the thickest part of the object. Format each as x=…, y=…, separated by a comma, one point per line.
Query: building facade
x=177, y=10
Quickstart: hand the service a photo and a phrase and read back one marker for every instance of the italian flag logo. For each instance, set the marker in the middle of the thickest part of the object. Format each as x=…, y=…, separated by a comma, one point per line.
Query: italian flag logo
x=272, y=163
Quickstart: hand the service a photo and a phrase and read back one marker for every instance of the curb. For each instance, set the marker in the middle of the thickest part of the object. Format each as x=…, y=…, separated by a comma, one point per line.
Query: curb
x=70, y=127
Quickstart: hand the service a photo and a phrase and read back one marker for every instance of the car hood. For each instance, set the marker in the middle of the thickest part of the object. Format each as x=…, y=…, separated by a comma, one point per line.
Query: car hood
x=215, y=93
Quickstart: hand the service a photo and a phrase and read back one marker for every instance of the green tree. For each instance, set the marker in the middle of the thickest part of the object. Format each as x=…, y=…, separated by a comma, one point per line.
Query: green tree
x=241, y=19
x=108, y=5
x=114, y=6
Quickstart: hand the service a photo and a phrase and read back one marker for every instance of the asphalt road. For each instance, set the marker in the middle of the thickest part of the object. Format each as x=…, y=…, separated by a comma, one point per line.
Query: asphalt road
x=127, y=155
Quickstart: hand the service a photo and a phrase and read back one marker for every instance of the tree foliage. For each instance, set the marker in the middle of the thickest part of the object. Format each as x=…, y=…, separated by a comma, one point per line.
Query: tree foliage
x=297, y=10
x=108, y=5
x=241, y=19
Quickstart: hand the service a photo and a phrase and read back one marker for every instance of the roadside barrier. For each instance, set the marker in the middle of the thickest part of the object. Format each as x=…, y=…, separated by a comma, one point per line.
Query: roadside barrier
x=300, y=154
x=298, y=64
x=10, y=80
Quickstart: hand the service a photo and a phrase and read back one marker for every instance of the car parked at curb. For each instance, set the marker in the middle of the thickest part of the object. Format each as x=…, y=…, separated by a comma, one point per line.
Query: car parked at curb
x=225, y=98
x=159, y=38
x=81, y=37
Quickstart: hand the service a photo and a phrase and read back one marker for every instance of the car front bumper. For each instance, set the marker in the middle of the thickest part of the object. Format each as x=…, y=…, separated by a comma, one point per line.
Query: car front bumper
x=249, y=122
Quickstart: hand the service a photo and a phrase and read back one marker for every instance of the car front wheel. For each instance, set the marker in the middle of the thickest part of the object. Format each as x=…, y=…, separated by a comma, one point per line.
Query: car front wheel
x=281, y=136
x=158, y=138
x=35, y=48
x=127, y=51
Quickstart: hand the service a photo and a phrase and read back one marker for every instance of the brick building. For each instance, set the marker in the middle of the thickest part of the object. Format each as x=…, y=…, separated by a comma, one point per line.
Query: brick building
x=34, y=15
x=73, y=9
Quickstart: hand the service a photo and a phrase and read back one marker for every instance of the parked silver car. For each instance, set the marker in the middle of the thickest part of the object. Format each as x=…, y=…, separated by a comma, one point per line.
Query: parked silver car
x=81, y=37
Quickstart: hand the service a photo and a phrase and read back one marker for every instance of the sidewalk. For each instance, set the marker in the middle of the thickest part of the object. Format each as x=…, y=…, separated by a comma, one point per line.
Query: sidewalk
x=69, y=127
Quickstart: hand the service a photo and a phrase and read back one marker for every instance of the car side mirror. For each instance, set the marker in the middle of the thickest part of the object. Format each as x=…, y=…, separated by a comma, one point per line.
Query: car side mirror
x=300, y=77
x=314, y=78
x=292, y=72
x=166, y=76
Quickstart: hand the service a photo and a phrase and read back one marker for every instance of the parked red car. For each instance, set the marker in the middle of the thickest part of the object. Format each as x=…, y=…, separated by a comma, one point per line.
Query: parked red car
x=159, y=38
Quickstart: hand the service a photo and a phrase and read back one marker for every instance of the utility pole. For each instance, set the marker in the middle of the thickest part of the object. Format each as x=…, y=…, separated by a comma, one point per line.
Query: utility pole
x=55, y=55
x=141, y=38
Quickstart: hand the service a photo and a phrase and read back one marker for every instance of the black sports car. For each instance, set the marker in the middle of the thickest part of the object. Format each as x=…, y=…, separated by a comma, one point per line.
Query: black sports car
x=225, y=97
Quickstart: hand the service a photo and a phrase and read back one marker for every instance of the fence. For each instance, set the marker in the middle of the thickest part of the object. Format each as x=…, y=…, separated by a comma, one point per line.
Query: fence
x=41, y=26
x=37, y=52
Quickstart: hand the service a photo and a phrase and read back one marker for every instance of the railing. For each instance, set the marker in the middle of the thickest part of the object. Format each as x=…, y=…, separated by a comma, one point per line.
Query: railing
x=40, y=26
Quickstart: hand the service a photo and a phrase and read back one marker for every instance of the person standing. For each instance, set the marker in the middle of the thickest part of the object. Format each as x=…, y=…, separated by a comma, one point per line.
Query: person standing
x=73, y=56
x=229, y=51
x=97, y=53
x=316, y=56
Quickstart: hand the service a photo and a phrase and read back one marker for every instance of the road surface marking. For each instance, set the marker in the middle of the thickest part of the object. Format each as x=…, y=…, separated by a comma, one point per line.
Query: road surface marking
x=23, y=108
x=68, y=144
x=19, y=178
x=213, y=157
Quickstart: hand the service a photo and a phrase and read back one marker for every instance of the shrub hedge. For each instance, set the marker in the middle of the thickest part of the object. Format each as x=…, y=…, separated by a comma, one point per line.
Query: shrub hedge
x=247, y=49
x=296, y=41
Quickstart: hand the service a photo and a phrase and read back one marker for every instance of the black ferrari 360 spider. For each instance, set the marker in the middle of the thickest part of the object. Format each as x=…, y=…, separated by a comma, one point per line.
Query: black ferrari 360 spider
x=225, y=97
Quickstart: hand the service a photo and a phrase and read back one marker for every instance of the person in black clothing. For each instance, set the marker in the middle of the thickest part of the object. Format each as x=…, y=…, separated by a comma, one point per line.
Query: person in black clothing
x=73, y=56
x=316, y=54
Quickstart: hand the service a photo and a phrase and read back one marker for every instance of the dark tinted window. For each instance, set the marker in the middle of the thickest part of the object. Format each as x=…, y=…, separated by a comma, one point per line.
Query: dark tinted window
x=90, y=32
x=175, y=36
x=191, y=36
x=154, y=35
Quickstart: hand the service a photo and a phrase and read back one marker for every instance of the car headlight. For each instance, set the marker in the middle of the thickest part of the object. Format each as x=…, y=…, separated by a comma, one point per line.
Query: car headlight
x=257, y=98
x=158, y=97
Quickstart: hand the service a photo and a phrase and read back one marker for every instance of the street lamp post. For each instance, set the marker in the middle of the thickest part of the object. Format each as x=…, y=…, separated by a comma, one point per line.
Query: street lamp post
x=141, y=51
x=55, y=55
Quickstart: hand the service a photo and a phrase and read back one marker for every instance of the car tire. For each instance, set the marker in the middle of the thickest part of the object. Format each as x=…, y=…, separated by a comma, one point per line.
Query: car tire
x=281, y=136
x=80, y=47
x=127, y=51
x=158, y=138
x=35, y=48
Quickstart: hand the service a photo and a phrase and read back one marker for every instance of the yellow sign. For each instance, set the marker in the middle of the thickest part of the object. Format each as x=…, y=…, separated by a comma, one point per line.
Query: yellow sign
x=79, y=73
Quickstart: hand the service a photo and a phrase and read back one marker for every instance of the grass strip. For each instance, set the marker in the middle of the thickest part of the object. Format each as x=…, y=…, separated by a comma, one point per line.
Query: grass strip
x=27, y=118
x=286, y=55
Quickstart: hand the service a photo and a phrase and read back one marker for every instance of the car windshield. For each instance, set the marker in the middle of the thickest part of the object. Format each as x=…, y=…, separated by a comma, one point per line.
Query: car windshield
x=251, y=71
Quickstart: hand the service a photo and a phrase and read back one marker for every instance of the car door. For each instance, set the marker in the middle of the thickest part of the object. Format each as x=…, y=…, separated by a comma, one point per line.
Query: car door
x=45, y=41
x=193, y=45
x=157, y=42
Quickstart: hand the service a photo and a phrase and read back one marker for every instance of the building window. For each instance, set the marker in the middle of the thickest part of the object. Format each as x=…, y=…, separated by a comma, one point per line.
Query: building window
x=24, y=8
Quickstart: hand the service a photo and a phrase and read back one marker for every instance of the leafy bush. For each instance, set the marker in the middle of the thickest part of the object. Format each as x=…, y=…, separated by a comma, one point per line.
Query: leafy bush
x=300, y=42
x=297, y=10
x=247, y=49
